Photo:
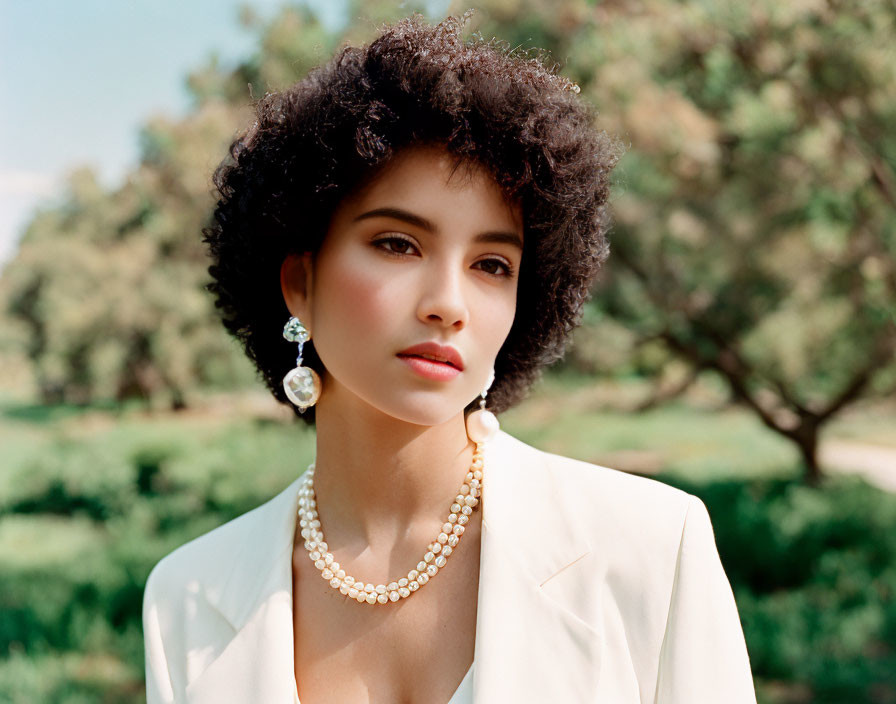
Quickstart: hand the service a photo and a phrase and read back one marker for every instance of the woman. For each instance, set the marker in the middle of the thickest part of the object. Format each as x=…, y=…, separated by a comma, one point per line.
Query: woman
x=422, y=219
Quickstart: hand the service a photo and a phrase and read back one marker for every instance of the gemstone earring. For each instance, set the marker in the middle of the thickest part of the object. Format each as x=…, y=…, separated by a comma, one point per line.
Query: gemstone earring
x=301, y=384
x=483, y=425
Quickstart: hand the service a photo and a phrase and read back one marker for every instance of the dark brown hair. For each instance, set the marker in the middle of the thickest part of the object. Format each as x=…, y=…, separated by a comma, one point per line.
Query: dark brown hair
x=330, y=133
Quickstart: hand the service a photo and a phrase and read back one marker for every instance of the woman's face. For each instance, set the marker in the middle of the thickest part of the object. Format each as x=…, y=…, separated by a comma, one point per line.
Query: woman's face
x=418, y=255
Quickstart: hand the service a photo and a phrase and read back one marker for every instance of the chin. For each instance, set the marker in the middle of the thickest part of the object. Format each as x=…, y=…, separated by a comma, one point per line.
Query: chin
x=417, y=406
x=425, y=411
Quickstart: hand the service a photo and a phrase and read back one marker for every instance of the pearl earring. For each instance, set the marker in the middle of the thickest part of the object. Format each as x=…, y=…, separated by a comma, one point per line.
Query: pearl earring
x=301, y=384
x=483, y=425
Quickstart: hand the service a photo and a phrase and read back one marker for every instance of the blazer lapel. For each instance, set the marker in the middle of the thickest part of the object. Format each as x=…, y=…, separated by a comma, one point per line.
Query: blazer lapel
x=530, y=647
x=529, y=644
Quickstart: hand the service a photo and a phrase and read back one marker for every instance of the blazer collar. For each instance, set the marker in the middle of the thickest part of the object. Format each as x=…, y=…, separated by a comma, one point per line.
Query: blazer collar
x=530, y=645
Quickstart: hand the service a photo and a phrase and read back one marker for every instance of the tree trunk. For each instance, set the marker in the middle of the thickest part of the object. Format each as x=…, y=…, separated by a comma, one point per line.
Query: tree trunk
x=178, y=401
x=806, y=439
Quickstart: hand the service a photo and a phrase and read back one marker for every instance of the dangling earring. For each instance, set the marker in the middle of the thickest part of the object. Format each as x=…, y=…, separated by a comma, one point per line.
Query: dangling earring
x=301, y=384
x=482, y=425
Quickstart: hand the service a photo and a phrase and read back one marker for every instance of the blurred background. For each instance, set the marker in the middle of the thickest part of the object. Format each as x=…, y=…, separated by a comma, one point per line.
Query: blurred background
x=740, y=343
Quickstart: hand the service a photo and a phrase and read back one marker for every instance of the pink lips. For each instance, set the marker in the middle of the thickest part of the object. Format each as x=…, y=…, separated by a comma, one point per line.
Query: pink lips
x=430, y=368
x=442, y=353
x=439, y=371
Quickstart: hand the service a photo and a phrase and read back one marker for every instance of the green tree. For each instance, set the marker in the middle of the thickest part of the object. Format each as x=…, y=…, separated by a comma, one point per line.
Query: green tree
x=106, y=294
x=756, y=229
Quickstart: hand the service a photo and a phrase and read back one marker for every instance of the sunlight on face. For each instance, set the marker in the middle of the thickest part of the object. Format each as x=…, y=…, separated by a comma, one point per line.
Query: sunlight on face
x=420, y=254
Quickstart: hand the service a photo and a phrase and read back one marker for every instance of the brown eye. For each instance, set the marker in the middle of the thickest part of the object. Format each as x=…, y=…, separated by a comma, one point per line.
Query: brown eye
x=398, y=247
x=508, y=271
x=400, y=242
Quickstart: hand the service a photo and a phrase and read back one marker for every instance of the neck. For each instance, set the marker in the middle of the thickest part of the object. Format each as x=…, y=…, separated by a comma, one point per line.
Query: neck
x=381, y=482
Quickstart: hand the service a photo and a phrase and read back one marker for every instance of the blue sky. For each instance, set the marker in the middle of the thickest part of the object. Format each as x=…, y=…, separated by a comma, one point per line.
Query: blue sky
x=77, y=79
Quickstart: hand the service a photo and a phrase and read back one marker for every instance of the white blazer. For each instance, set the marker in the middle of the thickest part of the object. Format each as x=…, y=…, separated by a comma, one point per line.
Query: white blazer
x=610, y=591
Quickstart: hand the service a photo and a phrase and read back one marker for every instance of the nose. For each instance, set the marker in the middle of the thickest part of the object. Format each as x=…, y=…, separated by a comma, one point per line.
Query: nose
x=444, y=298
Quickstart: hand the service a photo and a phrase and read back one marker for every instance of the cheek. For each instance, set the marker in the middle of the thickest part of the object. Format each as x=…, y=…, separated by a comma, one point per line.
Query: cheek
x=500, y=332
x=358, y=298
x=496, y=316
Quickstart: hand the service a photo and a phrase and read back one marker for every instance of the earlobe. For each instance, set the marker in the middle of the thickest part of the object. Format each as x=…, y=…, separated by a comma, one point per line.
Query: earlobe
x=296, y=282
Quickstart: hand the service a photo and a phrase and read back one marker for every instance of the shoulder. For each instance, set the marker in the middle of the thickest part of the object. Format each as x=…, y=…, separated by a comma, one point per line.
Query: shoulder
x=200, y=594
x=208, y=560
x=635, y=526
x=606, y=495
x=636, y=539
x=200, y=559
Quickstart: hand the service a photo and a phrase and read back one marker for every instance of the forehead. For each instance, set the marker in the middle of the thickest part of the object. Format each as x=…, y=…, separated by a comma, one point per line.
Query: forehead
x=431, y=178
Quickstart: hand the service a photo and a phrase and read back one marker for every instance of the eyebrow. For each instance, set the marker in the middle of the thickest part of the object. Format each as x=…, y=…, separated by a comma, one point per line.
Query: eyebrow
x=498, y=236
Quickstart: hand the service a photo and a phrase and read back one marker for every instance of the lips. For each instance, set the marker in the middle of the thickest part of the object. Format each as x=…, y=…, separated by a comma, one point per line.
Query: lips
x=429, y=359
x=435, y=352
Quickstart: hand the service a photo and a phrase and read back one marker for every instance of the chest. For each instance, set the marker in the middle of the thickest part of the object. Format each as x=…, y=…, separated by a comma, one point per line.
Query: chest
x=411, y=651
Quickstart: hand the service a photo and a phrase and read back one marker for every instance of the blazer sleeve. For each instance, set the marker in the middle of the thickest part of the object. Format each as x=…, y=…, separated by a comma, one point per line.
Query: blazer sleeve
x=703, y=657
x=159, y=689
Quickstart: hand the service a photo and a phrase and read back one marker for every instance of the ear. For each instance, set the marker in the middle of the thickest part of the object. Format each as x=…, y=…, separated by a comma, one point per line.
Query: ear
x=296, y=283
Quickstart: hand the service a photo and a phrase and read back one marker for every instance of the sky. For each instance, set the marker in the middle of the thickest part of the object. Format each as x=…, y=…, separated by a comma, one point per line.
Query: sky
x=78, y=78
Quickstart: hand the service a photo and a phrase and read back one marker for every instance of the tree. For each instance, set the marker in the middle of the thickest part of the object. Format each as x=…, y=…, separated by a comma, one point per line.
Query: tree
x=106, y=292
x=755, y=232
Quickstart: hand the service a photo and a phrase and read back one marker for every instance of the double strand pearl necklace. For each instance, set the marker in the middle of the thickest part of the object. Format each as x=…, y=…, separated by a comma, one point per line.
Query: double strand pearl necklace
x=434, y=559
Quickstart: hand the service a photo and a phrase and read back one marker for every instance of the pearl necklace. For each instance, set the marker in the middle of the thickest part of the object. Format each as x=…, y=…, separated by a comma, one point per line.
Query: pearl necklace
x=434, y=559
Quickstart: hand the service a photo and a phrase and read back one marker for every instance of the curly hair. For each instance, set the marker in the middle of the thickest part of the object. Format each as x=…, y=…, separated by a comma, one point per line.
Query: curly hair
x=317, y=142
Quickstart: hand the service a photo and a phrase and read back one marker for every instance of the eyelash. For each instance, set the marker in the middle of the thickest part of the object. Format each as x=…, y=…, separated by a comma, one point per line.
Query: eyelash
x=507, y=267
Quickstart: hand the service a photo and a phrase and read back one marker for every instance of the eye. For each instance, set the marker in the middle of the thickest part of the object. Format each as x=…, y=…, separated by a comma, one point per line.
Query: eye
x=508, y=270
x=399, y=249
x=401, y=243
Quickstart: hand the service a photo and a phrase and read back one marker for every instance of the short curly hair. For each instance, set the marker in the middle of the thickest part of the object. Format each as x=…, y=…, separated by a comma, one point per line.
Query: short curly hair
x=317, y=142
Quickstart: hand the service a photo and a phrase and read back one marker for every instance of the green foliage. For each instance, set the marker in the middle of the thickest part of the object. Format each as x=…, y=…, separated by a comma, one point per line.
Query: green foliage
x=756, y=209
x=84, y=516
